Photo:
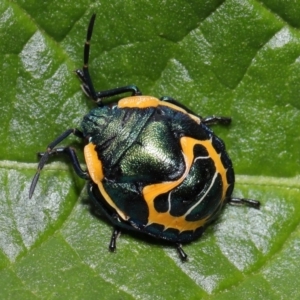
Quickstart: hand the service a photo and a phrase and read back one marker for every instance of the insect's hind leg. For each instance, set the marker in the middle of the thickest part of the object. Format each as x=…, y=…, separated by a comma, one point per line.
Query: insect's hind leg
x=243, y=201
x=212, y=120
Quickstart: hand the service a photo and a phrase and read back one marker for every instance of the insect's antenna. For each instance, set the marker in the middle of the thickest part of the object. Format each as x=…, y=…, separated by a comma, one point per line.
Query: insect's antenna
x=86, y=55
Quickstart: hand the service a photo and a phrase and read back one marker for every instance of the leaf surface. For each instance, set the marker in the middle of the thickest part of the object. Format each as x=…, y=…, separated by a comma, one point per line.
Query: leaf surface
x=235, y=58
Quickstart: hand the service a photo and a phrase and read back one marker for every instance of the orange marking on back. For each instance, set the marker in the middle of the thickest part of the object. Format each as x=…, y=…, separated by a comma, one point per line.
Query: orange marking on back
x=150, y=192
x=138, y=102
x=149, y=101
x=94, y=166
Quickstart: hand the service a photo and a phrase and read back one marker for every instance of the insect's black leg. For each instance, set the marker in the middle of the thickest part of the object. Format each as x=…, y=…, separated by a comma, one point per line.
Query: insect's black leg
x=242, y=201
x=84, y=74
x=211, y=120
x=50, y=151
x=71, y=153
x=133, y=89
x=113, y=241
x=120, y=90
x=183, y=256
x=63, y=136
x=175, y=102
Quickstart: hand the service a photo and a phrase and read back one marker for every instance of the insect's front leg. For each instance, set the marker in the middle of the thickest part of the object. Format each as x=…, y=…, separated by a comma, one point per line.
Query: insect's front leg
x=51, y=150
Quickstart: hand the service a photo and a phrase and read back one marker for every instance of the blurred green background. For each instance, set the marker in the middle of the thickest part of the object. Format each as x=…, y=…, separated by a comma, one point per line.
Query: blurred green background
x=232, y=58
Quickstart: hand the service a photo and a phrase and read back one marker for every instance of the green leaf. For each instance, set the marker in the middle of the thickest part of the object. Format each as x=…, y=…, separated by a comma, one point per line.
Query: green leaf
x=236, y=58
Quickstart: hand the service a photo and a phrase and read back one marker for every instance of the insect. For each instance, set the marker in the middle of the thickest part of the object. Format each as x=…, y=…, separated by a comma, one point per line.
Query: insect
x=153, y=165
